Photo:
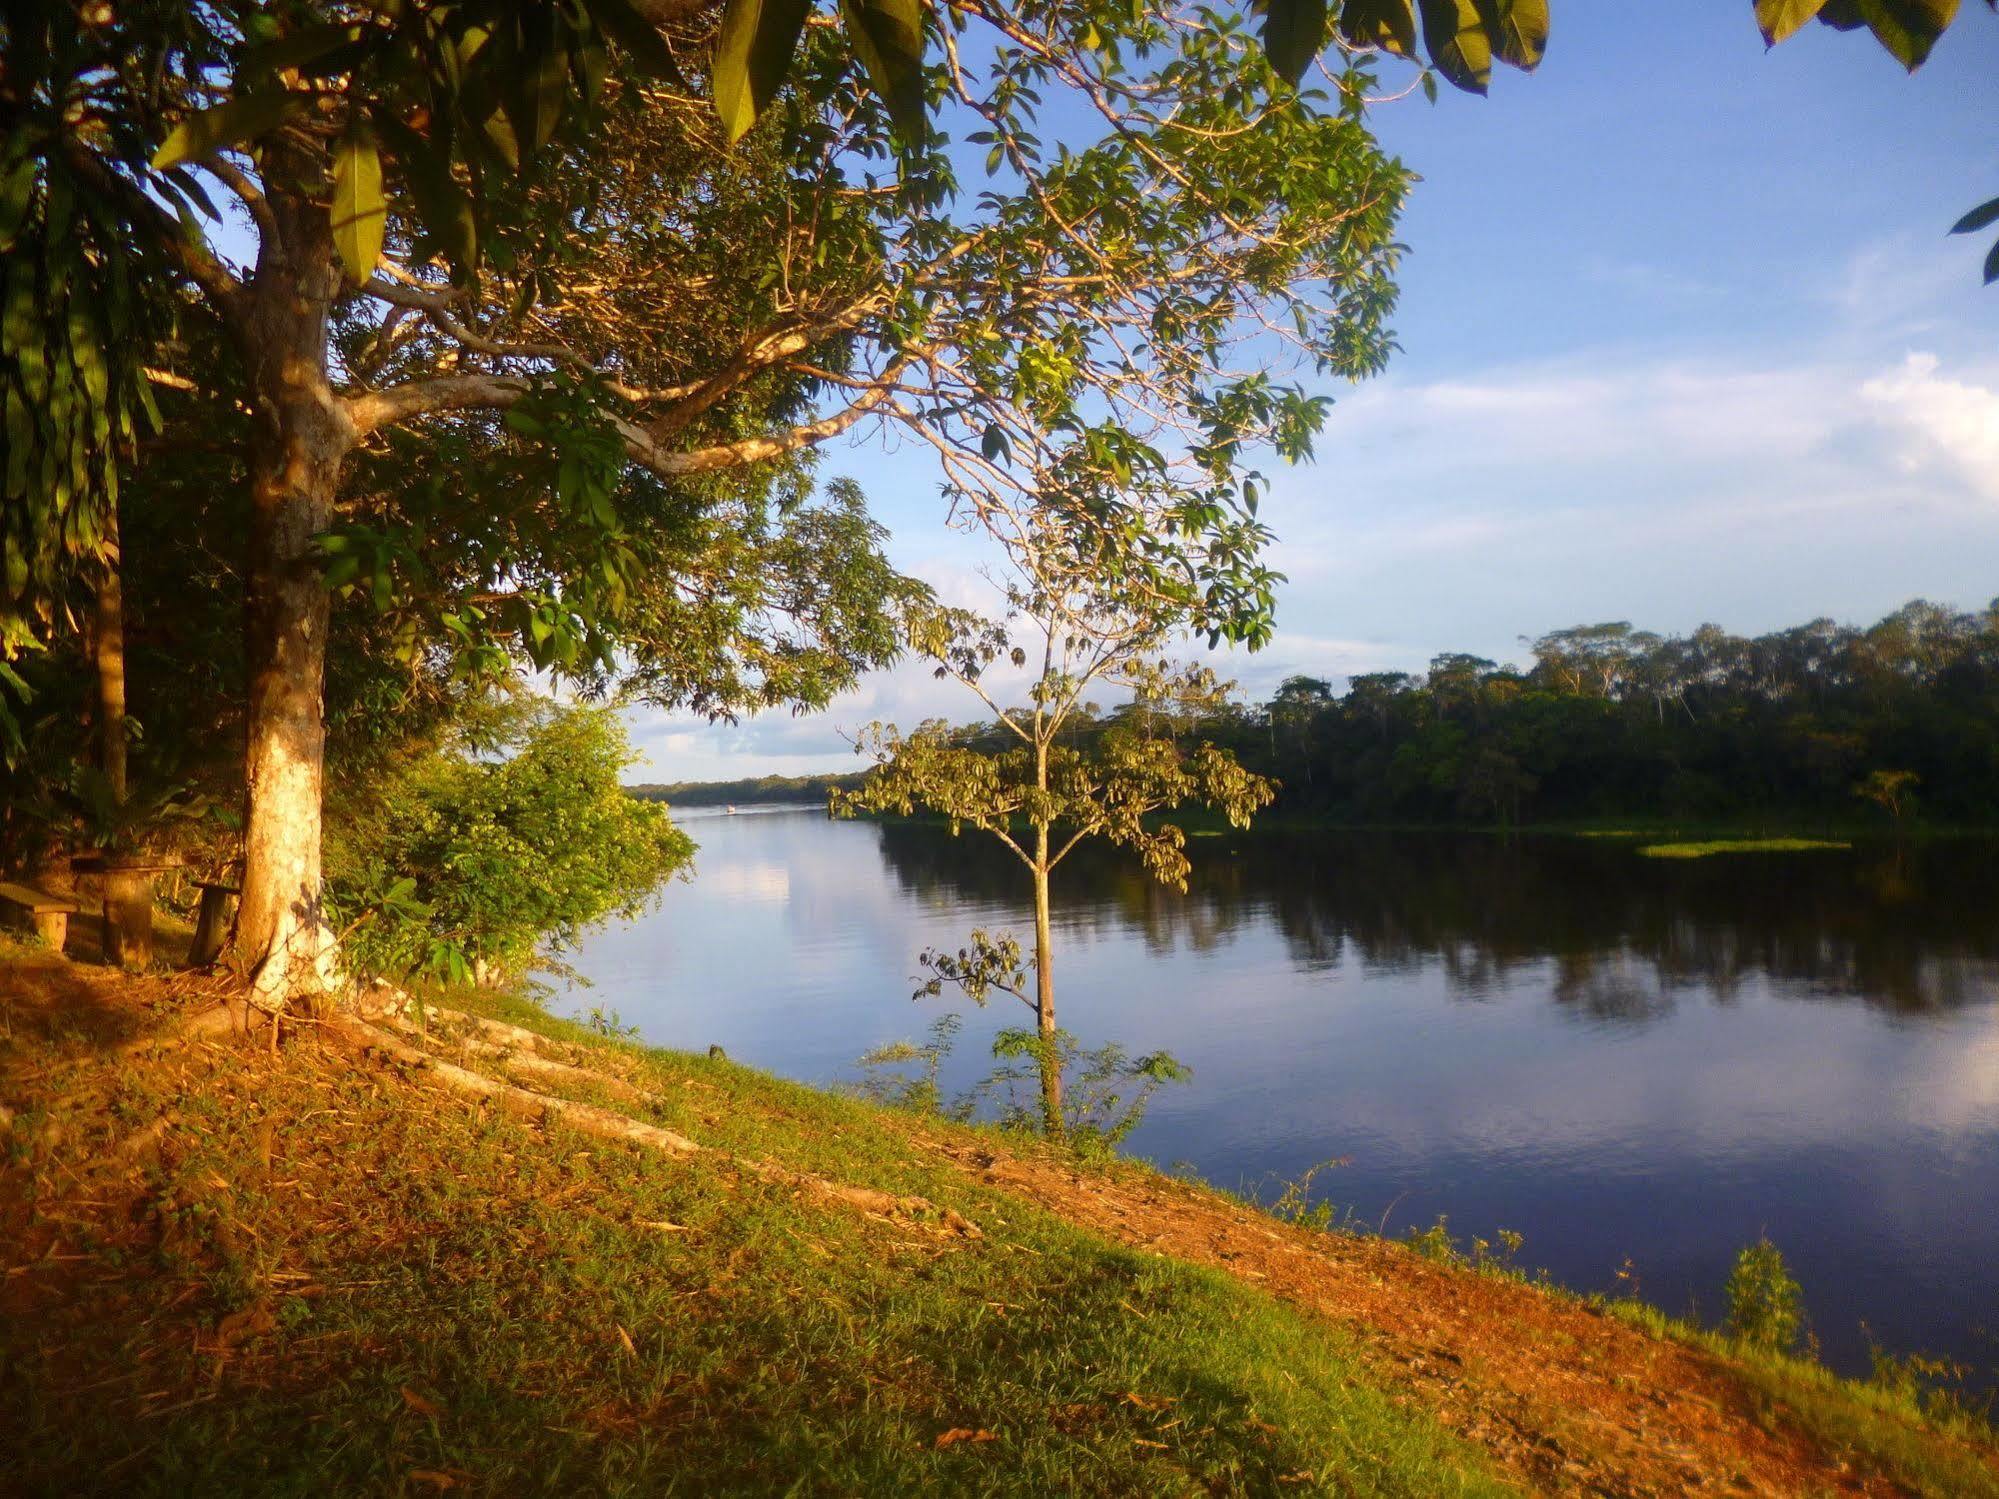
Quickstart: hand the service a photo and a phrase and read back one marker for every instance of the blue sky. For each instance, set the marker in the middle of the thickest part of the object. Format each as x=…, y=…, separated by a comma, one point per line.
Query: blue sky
x=1683, y=339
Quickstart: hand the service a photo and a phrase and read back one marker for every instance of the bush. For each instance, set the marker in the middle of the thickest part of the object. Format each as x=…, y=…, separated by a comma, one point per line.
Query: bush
x=1765, y=1305
x=483, y=857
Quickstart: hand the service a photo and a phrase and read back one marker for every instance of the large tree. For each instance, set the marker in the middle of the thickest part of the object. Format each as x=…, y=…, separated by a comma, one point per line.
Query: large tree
x=417, y=242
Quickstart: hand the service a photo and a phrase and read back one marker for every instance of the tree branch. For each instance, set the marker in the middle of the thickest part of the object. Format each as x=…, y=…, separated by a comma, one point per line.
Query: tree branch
x=222, y=289
x=400, y=403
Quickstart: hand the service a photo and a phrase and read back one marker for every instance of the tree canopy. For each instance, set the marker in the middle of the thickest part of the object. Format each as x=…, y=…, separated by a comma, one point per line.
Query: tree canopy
x=529, y=360
x=1607, y=721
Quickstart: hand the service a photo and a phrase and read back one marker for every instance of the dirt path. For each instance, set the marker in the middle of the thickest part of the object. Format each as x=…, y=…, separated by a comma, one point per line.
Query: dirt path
x=1569, y=1400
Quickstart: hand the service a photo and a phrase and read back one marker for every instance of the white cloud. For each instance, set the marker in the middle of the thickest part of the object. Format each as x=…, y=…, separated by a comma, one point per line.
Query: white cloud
x=1943, y=422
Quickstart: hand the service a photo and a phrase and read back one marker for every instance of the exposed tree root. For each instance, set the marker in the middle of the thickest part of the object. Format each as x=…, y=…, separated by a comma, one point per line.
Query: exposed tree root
x=387, y=1000
x=530, y=1061
x=585, y=1116
x=615, y=1126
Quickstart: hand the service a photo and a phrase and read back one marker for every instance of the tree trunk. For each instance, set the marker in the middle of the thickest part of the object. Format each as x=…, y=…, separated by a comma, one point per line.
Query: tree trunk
x=128, y=893
x=107, y=648
x=1044, y=992
x=128, y=916
x=302, y=435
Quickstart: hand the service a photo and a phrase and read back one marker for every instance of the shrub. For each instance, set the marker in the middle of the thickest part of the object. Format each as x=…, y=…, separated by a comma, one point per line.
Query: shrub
x=479, y=858
x=1765, y=1305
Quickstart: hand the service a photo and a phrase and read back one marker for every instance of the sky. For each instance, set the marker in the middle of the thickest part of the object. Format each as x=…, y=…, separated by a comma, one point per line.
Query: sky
x=1683, y=340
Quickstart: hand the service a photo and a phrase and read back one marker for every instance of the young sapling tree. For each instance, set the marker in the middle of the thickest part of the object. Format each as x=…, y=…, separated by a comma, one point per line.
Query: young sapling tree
x=1049, y=787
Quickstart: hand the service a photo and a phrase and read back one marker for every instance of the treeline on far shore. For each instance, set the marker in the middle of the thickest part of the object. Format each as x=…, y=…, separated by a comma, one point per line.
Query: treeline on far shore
x=750, y=791
x=1898, y=721
x=1895, y=722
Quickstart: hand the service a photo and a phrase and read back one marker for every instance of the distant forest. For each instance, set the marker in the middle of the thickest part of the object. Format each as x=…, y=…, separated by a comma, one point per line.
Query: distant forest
x=1610, y=721
x=747, y=792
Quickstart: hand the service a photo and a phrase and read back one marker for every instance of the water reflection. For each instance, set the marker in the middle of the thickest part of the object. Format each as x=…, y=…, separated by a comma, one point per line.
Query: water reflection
x=1616, y=1056
x=1910, y=930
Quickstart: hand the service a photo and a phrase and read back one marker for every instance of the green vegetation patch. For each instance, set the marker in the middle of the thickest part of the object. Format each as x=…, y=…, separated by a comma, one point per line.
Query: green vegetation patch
x=1738, y=846
x=1920, y=1438
x=333, y=1281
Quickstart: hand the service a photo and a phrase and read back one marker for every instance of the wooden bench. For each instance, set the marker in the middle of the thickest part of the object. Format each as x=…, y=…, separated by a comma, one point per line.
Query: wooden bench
x=48, y=913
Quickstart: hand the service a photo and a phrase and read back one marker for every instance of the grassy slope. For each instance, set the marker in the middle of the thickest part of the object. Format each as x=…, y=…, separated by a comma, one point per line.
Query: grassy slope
x=316, y=1275
x=426, y=1294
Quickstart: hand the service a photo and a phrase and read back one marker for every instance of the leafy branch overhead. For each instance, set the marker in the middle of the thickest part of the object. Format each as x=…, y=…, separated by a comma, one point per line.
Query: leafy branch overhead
x=1457, y=40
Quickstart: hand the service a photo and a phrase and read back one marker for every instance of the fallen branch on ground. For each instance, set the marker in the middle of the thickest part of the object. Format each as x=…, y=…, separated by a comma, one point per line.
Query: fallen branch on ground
x=585, y=1116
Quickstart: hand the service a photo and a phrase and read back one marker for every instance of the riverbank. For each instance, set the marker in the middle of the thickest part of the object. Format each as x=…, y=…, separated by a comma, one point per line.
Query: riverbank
x=233, y=1270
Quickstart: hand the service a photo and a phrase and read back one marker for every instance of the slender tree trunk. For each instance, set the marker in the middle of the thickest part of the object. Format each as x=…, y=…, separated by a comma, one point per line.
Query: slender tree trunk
x=302, y=435
x=128, y=893
x=107, y=648
x=1044, y=991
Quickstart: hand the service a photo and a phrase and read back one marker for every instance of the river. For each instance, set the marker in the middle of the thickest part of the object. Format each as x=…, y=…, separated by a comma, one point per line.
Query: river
x=1640, y=1065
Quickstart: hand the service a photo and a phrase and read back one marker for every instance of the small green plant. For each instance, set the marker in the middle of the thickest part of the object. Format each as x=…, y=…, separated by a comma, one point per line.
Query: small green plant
x=1107, y=1094
x=1106, y=1091
x=1765, y=1303
x=1926, y=1383
x=1436, y=1243
x=608, y=1024
x=1294, y=1204
x=887, y=1079
x=1628, y=1286
x=1502, y=1260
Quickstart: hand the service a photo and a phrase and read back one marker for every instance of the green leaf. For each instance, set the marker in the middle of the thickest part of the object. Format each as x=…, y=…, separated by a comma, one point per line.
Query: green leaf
x=1293, y=33
x=1978, y=218
x=1781, y=18
x=545, y=93
x=17, y=192
x=1459, y=46
x=887, y=35
x=753, y=53
x=360, y=214
x=499, y=133
x=232, y=124
x=1992, y=265
x=638, y=37
x=1907, y=28
x=1518, y=30
x=310, y=49
x=1388, y=24
x=441, y=204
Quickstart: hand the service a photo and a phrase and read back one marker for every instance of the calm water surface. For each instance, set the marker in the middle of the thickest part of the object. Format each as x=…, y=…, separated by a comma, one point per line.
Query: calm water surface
x=1620, y=1058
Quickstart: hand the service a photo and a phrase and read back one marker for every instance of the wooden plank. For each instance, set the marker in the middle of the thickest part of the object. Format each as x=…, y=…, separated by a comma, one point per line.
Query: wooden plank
x=36, y=902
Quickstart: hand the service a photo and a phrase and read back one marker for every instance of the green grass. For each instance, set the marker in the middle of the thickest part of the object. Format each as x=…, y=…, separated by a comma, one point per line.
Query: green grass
x=1710, y=847
x=440, y=1291
x=1928, y=1450
x=330, y=1281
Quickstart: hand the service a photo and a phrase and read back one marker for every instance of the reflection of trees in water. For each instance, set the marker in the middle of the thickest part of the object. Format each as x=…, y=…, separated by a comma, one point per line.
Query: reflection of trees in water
x=1097, y=890
x=1909, y=932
